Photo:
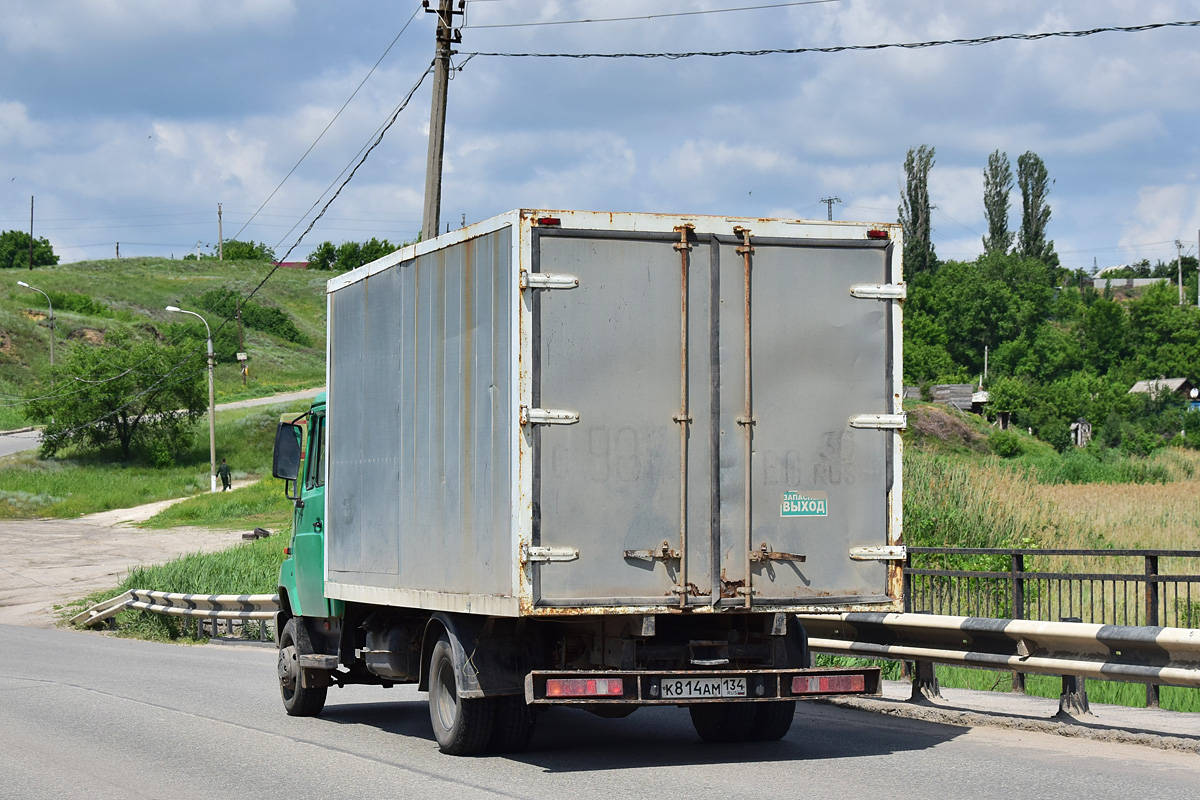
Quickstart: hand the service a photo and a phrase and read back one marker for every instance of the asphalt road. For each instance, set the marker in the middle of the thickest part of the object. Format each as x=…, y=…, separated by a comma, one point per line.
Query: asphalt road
x=86, y=715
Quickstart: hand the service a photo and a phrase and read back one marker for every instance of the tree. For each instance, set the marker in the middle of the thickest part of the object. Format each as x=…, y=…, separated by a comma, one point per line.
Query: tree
x=14, y=251
x=915, y=210
x=349, y=255
x=235, y=250
x=985, y=303
x=997, y=184
x=1104, y=335
x=141, y=396
x=1034, y=181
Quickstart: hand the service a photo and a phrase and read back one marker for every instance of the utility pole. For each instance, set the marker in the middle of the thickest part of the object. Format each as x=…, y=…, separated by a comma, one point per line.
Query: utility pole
x=31, y=233
x=241, y=343
x=829, y=201
x=446, y=36
x=220, y=236
x=1179, y=265
x=118, y=251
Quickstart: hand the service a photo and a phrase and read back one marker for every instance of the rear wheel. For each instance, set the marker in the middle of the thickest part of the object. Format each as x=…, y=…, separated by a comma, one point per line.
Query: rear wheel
x=298, y=700
x=772, y=720
x=721, y=723
x=515, y=720
x=461, y=727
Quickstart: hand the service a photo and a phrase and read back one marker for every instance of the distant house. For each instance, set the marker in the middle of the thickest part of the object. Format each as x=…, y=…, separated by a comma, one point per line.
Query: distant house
x=1081, y=432
x=953, y=394
x=1177, y=386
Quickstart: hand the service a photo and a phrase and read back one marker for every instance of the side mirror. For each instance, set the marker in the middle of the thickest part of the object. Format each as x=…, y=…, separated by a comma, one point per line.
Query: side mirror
x=285, y=463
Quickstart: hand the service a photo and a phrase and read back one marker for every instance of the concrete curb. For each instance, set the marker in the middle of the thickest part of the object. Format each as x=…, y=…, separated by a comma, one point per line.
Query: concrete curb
x=1164, y=730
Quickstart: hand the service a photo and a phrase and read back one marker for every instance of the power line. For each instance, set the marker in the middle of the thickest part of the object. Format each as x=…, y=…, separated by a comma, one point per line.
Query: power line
x=648, y=16
x=1008, y=37
x=321, y=135
x=378, y=137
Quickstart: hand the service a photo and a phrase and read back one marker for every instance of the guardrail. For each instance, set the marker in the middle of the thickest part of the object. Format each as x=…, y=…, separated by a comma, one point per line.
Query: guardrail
x=201, y=607
x=1168, y=656
x=1139, y=587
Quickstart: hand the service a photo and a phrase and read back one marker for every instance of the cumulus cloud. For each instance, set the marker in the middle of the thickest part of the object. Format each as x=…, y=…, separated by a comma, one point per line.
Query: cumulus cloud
x=62, y=26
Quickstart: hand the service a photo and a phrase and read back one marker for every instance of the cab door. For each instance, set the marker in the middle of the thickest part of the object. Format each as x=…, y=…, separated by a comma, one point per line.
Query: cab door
x=308, y=538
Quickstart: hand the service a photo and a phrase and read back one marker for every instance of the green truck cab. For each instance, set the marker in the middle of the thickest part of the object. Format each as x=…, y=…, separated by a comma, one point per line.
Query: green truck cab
x=299, y=459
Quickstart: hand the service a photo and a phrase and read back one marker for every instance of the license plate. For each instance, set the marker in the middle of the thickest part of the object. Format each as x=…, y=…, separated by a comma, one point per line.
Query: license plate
x=702, y=687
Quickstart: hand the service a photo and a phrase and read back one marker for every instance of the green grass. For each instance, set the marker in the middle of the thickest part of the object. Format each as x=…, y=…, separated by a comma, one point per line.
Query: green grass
x=1091, y=465
x=250, y=568
x=951, y=501
x=134, y=294
x=68, y=487
x=260, y=504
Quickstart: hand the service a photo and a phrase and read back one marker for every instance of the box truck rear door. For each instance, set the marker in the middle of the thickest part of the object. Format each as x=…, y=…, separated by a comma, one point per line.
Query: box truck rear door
x=612, y=350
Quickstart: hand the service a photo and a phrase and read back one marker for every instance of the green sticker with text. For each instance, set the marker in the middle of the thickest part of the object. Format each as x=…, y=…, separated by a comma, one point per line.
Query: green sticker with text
x=804, y=504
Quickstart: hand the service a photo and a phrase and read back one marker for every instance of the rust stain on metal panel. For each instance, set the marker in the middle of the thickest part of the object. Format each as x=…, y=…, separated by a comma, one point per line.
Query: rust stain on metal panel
x=731, y=588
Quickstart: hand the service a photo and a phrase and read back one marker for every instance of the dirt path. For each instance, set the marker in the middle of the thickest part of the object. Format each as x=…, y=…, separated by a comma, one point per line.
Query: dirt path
x=49, y=562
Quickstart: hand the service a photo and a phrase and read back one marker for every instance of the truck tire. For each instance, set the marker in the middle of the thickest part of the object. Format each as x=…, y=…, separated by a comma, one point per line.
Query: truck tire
x=298, y=700
x=515, y=721
x=461, y=727
x=722, y=723
x=772, y=720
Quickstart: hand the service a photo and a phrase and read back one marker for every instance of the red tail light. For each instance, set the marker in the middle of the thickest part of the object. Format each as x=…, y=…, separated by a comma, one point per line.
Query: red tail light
x=828, y=684
x=585, y=687
x=549, y=221
x=878, y=234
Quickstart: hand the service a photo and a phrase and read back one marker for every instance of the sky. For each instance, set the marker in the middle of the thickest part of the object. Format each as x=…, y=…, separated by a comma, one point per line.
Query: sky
x=130, y=120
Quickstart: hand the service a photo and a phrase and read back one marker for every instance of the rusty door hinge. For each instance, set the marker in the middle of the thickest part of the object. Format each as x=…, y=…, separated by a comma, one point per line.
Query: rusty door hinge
x=663, y=553
x=764, y=553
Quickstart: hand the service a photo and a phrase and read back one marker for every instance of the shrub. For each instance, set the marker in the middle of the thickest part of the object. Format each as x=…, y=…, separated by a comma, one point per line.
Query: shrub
x=261, y=318
x=1006, y=444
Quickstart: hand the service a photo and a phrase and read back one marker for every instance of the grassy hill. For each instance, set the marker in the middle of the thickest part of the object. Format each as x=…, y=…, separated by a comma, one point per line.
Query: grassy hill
x=133, y=294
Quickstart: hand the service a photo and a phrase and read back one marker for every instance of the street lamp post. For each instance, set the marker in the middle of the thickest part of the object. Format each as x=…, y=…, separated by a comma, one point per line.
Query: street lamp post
x=212, y=423
x=43, y=294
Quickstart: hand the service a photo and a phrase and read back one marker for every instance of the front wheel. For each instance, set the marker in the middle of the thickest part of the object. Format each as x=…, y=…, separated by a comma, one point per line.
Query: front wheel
x=461, y=727
x=298, y=700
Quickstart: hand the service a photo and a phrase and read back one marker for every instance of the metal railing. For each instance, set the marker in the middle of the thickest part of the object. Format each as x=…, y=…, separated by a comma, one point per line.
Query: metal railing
x=1104, y=587
x=203, y=608
x=1135, y=654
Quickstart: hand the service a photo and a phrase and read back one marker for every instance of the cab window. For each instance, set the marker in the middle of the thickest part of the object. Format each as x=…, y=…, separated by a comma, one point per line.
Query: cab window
x=314, y=470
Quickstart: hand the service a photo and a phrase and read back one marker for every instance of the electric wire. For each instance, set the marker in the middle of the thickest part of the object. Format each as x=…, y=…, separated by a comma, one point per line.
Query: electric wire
x=644, y=17
x=670, y=56
x=361, y=157
x=334, y=119
x=982, y=40
x=379, y=136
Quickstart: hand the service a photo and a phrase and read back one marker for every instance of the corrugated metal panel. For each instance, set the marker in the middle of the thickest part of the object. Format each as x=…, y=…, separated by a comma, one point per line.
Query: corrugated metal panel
x=419, y=493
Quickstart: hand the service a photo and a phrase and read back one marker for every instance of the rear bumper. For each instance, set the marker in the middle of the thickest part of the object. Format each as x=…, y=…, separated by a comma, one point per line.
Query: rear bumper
x=684, y=687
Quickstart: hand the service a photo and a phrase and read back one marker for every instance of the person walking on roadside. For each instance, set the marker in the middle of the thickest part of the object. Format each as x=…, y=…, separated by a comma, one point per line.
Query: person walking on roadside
x=225, y=474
